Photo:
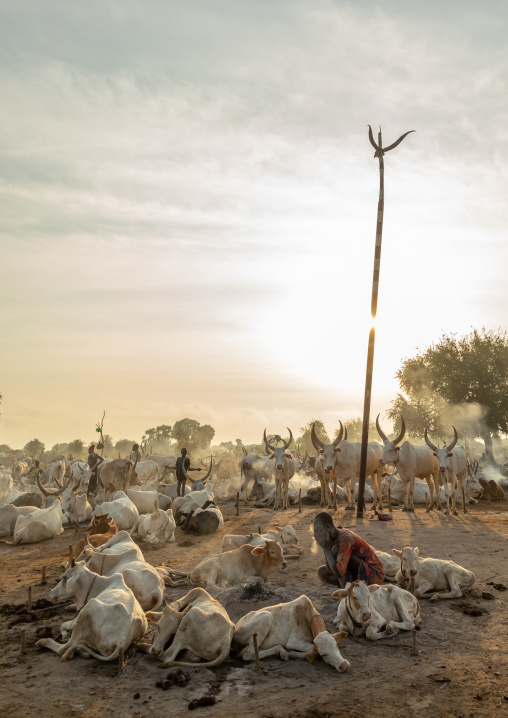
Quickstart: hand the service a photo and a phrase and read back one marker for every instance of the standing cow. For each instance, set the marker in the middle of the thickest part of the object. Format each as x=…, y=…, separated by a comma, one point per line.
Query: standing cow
x=410, y=462
x=284, y=467
x=452, y=468
x=325, y=462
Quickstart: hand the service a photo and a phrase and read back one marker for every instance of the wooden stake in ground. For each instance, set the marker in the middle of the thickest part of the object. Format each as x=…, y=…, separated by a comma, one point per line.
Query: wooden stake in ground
x=389, y=500
x=300, y=501
x=414, y=649
x=256, y=650
x=238, y=503
x=43, y=575
x=463, y=499
x=259, y=530
x=29, y=599
x=23, y=640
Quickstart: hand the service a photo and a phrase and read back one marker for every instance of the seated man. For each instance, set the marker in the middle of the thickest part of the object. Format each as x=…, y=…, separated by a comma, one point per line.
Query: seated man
x=348, y=557
x=34, y=472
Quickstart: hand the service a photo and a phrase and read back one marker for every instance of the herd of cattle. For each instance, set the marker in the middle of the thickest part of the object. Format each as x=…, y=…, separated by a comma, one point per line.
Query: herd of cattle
x=117, y=592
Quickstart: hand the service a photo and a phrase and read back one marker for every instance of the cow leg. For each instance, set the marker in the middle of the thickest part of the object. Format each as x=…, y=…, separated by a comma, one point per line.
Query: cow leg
x=350, y=504
x=406, y=497
x=374, y=633
x=454, y=503
x=463, y=495
x=406, y=622
x=58, y=648
x=66, y=628
x=411, y=493
x=428, y=479
x=436, y=487
x=455, y=590
x=373, y=478
x=423, y=590
x=262, y=624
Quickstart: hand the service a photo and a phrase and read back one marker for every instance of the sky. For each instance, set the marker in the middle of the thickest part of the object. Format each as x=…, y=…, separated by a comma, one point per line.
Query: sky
x=188, y=206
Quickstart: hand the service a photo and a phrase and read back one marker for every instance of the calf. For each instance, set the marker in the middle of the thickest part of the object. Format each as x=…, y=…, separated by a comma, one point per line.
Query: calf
x=376, y=611
x=431, y=575
x=196, y=624
x=285, y=537
x=109, y=617
x=289, y=630
x=103, y=528
x=243, y=565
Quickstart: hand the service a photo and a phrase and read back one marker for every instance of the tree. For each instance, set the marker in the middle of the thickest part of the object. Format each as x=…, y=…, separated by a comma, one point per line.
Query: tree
x=4, y=447
x=355, y=428
x=109, y=446
x=76, y=448
x=460, y=381
x=124, y=447
x=159, y=438
x=305, y=440
x=190, y=433
x=60, y=448
x=34, y=448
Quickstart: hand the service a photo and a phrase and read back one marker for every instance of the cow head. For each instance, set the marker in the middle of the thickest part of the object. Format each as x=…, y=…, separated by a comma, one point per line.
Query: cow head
x=357, y=595
x=327, y=451
x=271, y=557
x=257, y=492
x=408, y=558
x=445, y=456
x=103, y=524
x=168, y=621
x=288, y=534
x=325, y=644
x=279, y=453
x=68, y=586
x=390, y=453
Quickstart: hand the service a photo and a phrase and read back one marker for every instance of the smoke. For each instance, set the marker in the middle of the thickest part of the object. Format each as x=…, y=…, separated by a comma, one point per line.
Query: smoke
x=300, y=481
x=492, y=472
x=467, y=418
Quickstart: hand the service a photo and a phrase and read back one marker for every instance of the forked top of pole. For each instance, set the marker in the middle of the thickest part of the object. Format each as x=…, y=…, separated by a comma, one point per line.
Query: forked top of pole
x=380, y=151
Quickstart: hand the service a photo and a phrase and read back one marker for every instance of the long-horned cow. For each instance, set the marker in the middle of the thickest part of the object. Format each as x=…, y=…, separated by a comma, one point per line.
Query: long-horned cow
x=325, y=465
x=410, y=462
x=347, y=467
x=452, y=467
x=118, y=475
x=255, y=468
x=284, y=468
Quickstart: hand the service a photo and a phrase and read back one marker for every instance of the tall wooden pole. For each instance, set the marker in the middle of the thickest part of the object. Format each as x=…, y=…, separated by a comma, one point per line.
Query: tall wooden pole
x=380, y=152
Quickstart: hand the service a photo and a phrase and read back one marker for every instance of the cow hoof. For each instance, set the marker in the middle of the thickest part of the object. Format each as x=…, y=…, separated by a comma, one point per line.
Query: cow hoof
x=350, y=508
x=404, y=509
x=466, y=511
x=434, y=598
x=455, y=513
x=446, y=513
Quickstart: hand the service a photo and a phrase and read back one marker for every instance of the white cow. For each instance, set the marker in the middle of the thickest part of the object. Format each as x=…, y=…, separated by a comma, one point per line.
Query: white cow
x=147, y=471
x=55, y=473
x=170, y=490
x=121, y=509
x=255, y=468
x=9, y=515
x=39, y=525
x=421, y=493
x=5, y=488
x=144, y=500
x=410, y=462
x=452, y=468
x=193, y=500
x=324, y=465
x=196, y=624
x=284, y=470
x=346, y=466
x=390, y=564
x=433, y=578
x=18, y=469
x=75, y=507
x=143, y=580
x=285, y=537
x=376, y=611
x=289, y=630
x=157, y=527
x=79, y=471
x=109, y=619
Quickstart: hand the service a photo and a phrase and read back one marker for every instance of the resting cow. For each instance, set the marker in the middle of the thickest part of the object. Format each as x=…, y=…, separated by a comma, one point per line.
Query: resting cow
x=157, y=527
x=196, y=624
x=289, y=630
x=9, y=515
x=285, y=537
x=121, y=509
x=243, y=565
x=109, y=618
x=432, y=575
x=143, y=500
x=203, y=521
x=376, y=611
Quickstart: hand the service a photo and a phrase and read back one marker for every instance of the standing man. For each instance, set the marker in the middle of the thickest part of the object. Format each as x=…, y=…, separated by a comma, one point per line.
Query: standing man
x=135, y=454
x=94, y=461
x=348, y=557
x=182, y=466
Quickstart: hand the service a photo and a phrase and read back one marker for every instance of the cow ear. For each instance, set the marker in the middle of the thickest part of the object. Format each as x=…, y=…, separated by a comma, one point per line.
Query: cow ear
x=278, y=528
x=373, y=588
x=258, y=550
x=341, y=593
x=416, y=550
x=434, y=453
x=340, y=636
x=154, y=616
x=311, y=654
x=272, y=456
x=397, y=553
x=449, y=455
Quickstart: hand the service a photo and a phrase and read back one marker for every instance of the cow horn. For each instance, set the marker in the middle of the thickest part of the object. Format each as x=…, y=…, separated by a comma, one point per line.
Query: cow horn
x=380, y=430
x=57, y=482
x=269, y=448
x=402, y=431
x=339, y=435
x=53, y=493
x=428, y=441
x=452, y=445
x=317, y=443
x=286, y=446
x=208, y=472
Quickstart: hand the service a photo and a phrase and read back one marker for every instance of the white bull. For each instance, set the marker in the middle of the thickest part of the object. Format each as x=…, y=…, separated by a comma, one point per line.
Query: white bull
x=452, y=468
x=289, y=630
x=325, y=465
x=157, y=527
x=109, y=619
x=121, y=509
x=285, y=537
x=411, y=462
x=144, y=500
x=421, y=493
x=143, y=580
x=55, y=473
x=284, y=470
x=347, y=467
x=79, y=471
x=75, y=507
x=192, y=501
x=40, y=525
x=196, y=624
x=147, y=471
x=433, y=578
x=376, y=611
x=9, y=515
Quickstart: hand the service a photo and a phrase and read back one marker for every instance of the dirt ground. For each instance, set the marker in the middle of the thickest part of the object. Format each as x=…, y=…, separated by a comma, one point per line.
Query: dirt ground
x=461, y=669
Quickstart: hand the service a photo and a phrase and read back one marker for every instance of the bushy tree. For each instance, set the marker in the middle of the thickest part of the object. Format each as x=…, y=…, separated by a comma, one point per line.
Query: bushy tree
x=109, y=445
x=60, y=448
x=34, y=448
x=355, y=428
x=461, y=381
x=124, y=447
x=193, y=435
x=159, y=438
x=76, y=448
x=4, y=448
x=305, y=440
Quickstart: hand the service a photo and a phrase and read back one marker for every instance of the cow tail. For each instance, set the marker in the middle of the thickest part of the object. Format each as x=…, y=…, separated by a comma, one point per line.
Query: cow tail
x=241, y=476
x=220, y=659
